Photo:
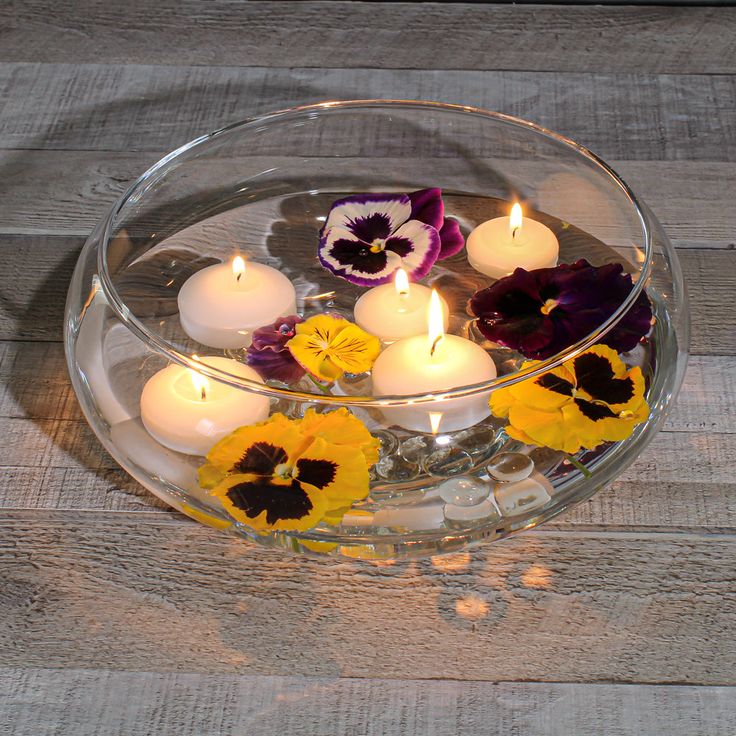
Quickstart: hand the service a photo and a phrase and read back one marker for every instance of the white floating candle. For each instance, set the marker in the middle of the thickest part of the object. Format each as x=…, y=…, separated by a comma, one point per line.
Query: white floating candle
x=221, y=305
x=496, y=247
x=186, y=412
x=430, y=363
x=393, y=311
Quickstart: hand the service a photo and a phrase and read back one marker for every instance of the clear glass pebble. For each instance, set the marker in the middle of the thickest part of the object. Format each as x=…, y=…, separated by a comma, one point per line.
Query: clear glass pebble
x=463, y=516
x=463, y=491
x=519, y=497
x=396, y=468
x=509, y=467
x=447, y=461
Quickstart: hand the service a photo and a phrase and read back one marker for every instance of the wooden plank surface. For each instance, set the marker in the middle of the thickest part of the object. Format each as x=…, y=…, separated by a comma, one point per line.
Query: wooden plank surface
x=98, y=577
x=34, y=283
x=400, y=35
x=640, y=116
x=153, y=593
x=66, y=192
x=91, y=702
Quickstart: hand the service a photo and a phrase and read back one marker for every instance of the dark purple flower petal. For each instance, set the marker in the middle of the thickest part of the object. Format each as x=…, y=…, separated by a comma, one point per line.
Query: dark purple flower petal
x=451, y=239
x=427, y=207
x=542, y=312
x=268, y=353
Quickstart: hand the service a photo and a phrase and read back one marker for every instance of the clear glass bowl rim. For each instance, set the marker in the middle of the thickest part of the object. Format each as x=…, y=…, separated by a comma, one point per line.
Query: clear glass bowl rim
x=159, y=345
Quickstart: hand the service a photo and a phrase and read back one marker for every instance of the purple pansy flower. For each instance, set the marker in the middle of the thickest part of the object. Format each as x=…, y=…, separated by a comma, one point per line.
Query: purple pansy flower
x=268, y=353
x=541, y=312
x=366, y=237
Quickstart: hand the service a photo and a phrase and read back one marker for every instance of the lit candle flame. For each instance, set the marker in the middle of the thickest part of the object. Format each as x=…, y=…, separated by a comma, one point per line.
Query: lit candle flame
x=515, y=219
x=436, y=326
x=200, y=382
x=401, y=282
x=238, y=267
x=435, y=417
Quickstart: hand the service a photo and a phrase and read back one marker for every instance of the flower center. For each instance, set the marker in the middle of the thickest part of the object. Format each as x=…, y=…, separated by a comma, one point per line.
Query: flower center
x=548, y=306
x=282, y=470
x=378, y=245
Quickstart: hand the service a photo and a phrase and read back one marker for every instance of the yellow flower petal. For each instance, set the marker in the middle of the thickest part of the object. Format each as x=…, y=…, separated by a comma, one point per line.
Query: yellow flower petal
x=501, y=401
x=265, y=506
x=338, y=472
x=209, y=475
x=202, y=518
x=340, y=427
x=328, y=346
x=541, y=416
x=314, y=357
x=546, y=428
x=354, y=350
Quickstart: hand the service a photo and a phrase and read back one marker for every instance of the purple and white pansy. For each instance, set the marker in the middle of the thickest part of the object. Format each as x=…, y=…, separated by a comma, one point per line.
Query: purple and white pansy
x=367, y=237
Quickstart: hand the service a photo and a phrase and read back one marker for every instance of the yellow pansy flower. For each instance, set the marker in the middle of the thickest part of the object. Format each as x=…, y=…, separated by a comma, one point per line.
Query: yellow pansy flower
x=590, y=399
x=287, y=475
x=329, y=346
x=342, y=428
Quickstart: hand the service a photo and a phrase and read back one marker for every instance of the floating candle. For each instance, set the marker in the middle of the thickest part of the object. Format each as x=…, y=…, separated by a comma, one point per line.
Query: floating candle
x=221, y=305
x=185, y=411
x=429, y=363
x=496, y=247
x=397, y=310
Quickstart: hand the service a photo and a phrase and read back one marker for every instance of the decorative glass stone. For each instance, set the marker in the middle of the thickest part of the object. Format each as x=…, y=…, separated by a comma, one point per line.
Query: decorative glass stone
x=463, y=516
x=417, y=447
x=519, y=497
x=464, y=491
x=447, y=461
x=509, y=467
x=389, y=443
x=395, y=468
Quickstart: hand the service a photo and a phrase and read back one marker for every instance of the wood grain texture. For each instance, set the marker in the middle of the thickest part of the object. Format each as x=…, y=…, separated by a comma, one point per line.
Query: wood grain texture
x=44, y=702
x=67, y=192
x=51, y=459
x=547, y=606
x=153, y=108
x=33, y=291
x=402, y=35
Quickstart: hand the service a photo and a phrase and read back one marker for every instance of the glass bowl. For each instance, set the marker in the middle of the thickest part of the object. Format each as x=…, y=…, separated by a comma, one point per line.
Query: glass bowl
x=263, y=188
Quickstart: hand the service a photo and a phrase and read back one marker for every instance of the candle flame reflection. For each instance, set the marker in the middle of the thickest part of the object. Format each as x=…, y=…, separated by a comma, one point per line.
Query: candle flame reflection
x=515, y=219
x=238, y=267
x=200, y=382
x=436, y=322
x=435, y=417
x=401, y=282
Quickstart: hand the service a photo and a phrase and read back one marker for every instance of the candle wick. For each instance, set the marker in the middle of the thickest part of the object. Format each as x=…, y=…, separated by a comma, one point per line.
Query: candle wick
x=513, y=232
x=203, y=393
x=237, y=278
x=434, y=345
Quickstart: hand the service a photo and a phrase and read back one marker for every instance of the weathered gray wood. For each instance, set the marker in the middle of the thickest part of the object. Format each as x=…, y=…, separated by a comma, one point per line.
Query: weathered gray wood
x=44, y=702
x=34, y=385
x=51, y=459
x=683, y=480
x=33, y=291
x=154, y=593
x=66, y=192
x=402, y=35
x=149, y=108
